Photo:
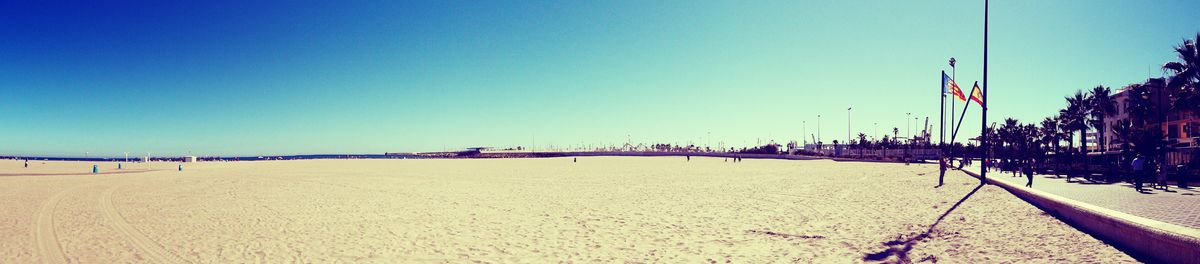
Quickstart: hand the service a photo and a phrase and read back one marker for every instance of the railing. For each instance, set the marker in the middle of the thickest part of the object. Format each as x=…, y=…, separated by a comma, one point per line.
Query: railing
x=1180, y=156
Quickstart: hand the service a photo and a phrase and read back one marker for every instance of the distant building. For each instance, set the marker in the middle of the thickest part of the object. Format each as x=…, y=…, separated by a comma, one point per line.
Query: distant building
x=189, y=159
x=1181, y=127
x=1111, y=140
x=1092, y=141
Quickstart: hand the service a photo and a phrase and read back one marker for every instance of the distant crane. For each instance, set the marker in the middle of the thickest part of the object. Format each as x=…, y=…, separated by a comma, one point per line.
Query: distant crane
x=925, y=132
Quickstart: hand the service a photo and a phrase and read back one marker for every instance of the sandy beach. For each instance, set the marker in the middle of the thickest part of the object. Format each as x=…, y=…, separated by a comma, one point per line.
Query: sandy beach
x=600, y=209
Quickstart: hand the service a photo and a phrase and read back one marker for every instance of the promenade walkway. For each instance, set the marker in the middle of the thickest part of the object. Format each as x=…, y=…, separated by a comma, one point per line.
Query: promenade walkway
x=1176, y=206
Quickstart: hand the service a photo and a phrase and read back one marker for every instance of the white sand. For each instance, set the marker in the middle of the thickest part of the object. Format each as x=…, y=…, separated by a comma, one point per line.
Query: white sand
x=602, y=209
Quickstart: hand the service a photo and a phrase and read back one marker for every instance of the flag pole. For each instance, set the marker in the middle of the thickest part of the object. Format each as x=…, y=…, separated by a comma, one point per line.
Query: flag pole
x=942, y=135
x=983, y=125
x=954, y=134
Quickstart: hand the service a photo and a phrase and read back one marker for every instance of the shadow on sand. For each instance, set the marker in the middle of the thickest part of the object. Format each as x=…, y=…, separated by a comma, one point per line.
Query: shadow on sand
x=900, y=247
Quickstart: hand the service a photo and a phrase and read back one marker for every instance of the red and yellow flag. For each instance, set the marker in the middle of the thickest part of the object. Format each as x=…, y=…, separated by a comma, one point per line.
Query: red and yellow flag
x=977, y=94
x=949, y=84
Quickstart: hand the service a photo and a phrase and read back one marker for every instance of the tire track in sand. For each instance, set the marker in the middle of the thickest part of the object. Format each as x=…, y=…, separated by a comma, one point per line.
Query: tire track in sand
x=44, y=234
x=153, y=250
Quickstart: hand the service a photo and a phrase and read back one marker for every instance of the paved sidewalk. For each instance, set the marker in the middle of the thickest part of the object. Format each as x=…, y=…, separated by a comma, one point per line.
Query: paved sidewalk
x=1177, y=206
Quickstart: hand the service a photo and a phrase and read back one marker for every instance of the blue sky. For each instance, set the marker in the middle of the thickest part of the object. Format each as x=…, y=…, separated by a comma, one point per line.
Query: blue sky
x=261, y=78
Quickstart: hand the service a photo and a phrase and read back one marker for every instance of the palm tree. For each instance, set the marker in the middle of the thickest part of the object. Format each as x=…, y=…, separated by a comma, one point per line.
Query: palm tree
x=1078, y=108
x=1050, y=137
x=1049, y=132
x=895, y=133
x=1102, y=106
x=1067, y=132
x=1145, y=140
x=1030, y=143
x=1123, y=130
x=1138, y=104
x=1007, y=132
x=1184, y=81
x=862, y=144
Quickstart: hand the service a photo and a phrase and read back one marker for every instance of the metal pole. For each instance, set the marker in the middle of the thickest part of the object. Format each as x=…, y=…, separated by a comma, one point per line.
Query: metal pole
x=983, y=125
x=818, y=128
x=942, y=113
x=848, y=129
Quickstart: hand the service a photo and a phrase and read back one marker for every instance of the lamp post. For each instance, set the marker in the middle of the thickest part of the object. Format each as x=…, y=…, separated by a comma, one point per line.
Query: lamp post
x=907, y=128
x=804, y=127
x=818, y=128
x=953, y=76
x=848, y=127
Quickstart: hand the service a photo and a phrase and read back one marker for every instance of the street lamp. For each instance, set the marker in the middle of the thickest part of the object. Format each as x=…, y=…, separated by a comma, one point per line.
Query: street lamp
x=907, y=128
x=953, y=76
x=848, y=127
x=818, y=128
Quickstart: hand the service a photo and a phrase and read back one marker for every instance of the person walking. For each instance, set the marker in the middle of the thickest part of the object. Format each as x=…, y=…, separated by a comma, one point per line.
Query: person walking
x=27, y=163
x=1028, y=170
x=1161, y=176
x=1138, y=166
x=1186, y=172
x=942, y=169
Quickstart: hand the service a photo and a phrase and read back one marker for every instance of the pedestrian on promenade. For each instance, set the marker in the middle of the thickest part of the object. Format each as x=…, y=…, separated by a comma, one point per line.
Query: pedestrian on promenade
x=689, y=157
x=26, y=163
x=1185, y=173
x=1138, y=166
x=1016, y=167
x=1161, y=179
x=1029, y=173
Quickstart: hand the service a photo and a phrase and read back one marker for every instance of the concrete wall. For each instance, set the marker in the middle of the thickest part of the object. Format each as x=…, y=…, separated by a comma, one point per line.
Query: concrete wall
x=1144, y=238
